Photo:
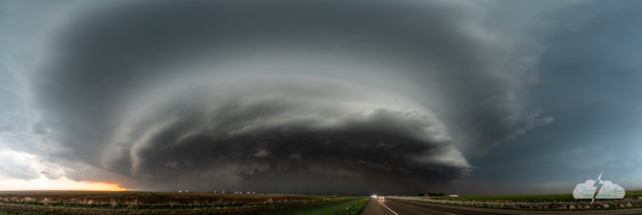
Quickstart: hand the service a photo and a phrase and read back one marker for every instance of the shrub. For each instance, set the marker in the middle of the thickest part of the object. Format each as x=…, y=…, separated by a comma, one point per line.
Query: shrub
x=46, y=201
x=133, y=204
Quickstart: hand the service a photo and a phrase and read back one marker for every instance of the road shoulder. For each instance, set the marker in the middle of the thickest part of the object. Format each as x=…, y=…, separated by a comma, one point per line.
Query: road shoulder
x=374, y=208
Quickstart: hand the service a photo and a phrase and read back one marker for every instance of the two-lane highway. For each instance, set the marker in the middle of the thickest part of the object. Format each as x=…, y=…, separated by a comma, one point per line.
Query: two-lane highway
x=396, y=207
x=389, y=206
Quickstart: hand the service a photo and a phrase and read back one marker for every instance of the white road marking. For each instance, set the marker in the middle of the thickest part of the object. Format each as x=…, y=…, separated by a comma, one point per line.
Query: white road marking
x=388, y=208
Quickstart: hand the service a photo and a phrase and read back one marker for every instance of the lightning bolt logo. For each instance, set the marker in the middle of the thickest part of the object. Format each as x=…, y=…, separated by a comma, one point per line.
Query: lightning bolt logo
x=599, y=187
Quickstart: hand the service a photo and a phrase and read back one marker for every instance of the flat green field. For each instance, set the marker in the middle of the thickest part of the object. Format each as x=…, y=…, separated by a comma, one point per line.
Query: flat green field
x=529, y=198
x=632, y=199
x=352, y=206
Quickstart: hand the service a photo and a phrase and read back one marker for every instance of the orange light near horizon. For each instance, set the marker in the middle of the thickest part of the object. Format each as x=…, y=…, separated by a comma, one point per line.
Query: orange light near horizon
x=43, y=183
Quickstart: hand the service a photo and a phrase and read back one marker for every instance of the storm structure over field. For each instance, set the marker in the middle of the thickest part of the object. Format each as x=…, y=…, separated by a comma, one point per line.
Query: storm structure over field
x=324, y=97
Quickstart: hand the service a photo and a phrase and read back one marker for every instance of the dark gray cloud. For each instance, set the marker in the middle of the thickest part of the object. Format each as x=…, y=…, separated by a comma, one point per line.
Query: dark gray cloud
x=590, y=83
x=255, y=92
x=279, y=126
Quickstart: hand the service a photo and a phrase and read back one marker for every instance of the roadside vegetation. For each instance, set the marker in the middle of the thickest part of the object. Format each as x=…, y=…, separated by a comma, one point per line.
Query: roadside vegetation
x=350, y=206
x=170, y=203
x=528, y=198
x=632, y=199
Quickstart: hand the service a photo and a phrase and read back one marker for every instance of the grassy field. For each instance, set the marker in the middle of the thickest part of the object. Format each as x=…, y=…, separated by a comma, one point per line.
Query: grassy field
x=351, y=206
x=528, y=198
x=534, y=198
x=172, y=203
x=632, y=199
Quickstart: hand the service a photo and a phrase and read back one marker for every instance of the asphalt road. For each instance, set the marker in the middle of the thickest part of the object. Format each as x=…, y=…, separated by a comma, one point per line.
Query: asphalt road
x=397, y=207
x=400, y=207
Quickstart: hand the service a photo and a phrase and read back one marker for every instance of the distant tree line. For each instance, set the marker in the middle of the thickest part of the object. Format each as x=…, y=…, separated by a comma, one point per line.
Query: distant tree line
x=431, y=194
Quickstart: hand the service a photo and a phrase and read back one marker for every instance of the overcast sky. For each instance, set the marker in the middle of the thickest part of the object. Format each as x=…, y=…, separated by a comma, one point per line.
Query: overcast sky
x=322, y=97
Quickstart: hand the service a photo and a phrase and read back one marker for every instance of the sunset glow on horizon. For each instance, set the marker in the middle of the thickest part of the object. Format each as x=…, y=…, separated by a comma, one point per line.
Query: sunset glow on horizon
x=43, y=183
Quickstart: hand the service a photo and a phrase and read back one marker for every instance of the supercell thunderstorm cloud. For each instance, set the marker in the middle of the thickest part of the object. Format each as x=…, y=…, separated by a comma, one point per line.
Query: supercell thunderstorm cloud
x=270, y=131
x=335, y=97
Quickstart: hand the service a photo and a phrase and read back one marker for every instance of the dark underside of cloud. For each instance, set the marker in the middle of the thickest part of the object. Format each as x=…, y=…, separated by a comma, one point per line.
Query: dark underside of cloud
x=264, y=130
x=239, y=94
